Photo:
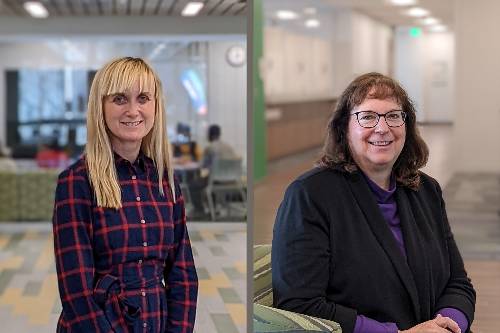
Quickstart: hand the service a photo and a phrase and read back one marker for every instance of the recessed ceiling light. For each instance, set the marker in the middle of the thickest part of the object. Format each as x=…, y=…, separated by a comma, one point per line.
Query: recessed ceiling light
x=417, y=12
x=429, y=21
x=36, y=9
x=437, y=28
x=403, y=2
x=286, y=15
x=192, y=8
x=312, y=23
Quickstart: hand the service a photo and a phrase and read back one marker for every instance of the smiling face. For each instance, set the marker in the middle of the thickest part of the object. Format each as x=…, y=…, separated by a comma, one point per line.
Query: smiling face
x=375, y=149
x=129, y=117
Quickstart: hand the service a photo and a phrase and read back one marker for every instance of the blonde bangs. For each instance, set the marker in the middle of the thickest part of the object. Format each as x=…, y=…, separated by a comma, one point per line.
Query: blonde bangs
x=119, y=76
x=131, y=73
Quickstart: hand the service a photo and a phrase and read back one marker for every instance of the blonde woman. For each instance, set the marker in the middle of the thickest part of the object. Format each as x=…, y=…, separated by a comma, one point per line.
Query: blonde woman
x=123, y=256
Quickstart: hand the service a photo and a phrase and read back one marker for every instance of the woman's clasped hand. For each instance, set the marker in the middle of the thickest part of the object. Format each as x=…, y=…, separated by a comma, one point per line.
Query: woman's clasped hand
x=439, y=324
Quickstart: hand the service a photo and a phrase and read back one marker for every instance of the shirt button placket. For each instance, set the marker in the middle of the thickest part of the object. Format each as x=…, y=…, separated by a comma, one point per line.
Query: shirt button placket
x=145, y=244
x=144, y=324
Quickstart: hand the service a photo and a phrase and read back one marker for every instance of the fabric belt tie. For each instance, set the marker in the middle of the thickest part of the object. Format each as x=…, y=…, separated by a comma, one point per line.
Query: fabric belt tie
x=109, y=294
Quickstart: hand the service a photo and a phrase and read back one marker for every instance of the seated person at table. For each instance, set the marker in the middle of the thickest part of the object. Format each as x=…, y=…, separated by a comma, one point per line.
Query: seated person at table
x=216, y=149
x=185, y=152
x=184, y=148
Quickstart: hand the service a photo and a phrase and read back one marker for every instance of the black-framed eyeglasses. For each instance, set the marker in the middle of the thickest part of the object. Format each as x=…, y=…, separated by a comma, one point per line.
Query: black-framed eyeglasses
x=370, y=119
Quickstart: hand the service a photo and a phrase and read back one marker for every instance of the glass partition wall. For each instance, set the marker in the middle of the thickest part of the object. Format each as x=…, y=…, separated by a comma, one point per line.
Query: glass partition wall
x=47, y=102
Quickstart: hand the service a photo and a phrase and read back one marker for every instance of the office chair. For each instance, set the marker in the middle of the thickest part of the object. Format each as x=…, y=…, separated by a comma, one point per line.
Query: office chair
x=224, y=182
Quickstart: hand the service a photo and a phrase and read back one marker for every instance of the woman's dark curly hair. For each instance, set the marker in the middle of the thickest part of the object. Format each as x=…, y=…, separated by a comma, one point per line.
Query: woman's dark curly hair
x=336, y=152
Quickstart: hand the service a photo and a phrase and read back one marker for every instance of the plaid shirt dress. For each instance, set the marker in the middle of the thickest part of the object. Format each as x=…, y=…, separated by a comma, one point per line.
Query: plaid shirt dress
x=125, y=270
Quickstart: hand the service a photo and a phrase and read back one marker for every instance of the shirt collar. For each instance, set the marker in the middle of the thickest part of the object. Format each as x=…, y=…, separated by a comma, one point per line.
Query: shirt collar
x=382, y=195
x=140, y=161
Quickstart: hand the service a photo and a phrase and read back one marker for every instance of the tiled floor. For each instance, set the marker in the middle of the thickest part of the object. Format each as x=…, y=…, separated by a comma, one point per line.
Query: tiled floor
x=473, y=207
x=29, y=300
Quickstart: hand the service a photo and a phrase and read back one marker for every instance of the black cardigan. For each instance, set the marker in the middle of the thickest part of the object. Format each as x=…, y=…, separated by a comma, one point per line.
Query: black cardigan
x=334, y=256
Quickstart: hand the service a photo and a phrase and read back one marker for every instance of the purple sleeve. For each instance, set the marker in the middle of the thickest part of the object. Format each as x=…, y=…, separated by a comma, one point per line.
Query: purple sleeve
x=457, y=315
x=367, y=325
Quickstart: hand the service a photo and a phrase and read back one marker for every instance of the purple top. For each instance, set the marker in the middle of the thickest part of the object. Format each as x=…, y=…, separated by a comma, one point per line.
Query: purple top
x=389, y=209
x=387, y=203
x=457, y=315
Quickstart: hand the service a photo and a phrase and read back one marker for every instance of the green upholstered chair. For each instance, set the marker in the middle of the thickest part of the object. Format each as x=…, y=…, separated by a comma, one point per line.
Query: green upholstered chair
x=36, y=194
x=267, y=319
x=9, y=192
x=27, y=195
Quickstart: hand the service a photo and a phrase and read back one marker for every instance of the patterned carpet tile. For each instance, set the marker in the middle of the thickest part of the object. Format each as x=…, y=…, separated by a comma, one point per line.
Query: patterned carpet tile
x=29, y=300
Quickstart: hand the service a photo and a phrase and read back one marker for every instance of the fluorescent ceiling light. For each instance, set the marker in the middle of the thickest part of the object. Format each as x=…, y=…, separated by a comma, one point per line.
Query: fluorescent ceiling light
x=312, y=23
x=286, y=15
x=36, y=9
x=403, y=2
x=429, y=21
x=437, y=28
x=192, y=8
x=417, y=12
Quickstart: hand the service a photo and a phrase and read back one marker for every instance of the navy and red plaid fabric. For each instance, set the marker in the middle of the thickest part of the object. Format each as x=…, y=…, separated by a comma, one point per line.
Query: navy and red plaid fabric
x=125, y=270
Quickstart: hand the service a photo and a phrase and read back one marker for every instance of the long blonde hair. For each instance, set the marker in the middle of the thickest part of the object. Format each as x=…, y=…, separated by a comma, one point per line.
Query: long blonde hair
x=118, y=76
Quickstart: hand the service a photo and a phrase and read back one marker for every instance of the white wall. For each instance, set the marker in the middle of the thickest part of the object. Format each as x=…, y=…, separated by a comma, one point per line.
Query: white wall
x=439, y=77
x=371, y=41
x=342, y=50
x=425, y=67
x=303, y=65
x=477, y=117
x=360, y=45
x=296, y=66
x=227, y=96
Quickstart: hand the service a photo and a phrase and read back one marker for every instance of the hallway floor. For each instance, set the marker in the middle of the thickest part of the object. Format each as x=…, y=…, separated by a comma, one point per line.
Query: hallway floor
x=29, y=299
x=473, y=207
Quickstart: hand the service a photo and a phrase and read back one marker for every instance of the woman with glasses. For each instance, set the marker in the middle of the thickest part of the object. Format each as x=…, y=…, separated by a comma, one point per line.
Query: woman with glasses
x=123, y=256
x=363, y=238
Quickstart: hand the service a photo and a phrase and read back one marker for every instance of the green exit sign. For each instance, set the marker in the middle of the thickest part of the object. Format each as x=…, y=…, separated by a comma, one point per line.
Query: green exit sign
x=415, y=32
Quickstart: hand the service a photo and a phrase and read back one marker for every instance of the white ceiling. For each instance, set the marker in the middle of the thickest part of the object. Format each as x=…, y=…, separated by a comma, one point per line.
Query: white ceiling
x=124, y=19
x=378, y=9
x=125, y=7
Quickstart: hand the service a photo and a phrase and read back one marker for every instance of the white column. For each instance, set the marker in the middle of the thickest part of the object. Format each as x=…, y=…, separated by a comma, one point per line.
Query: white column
x=477, y=120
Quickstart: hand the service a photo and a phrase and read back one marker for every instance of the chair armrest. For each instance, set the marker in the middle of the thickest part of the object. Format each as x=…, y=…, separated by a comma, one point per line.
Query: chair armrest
x=267, y=320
